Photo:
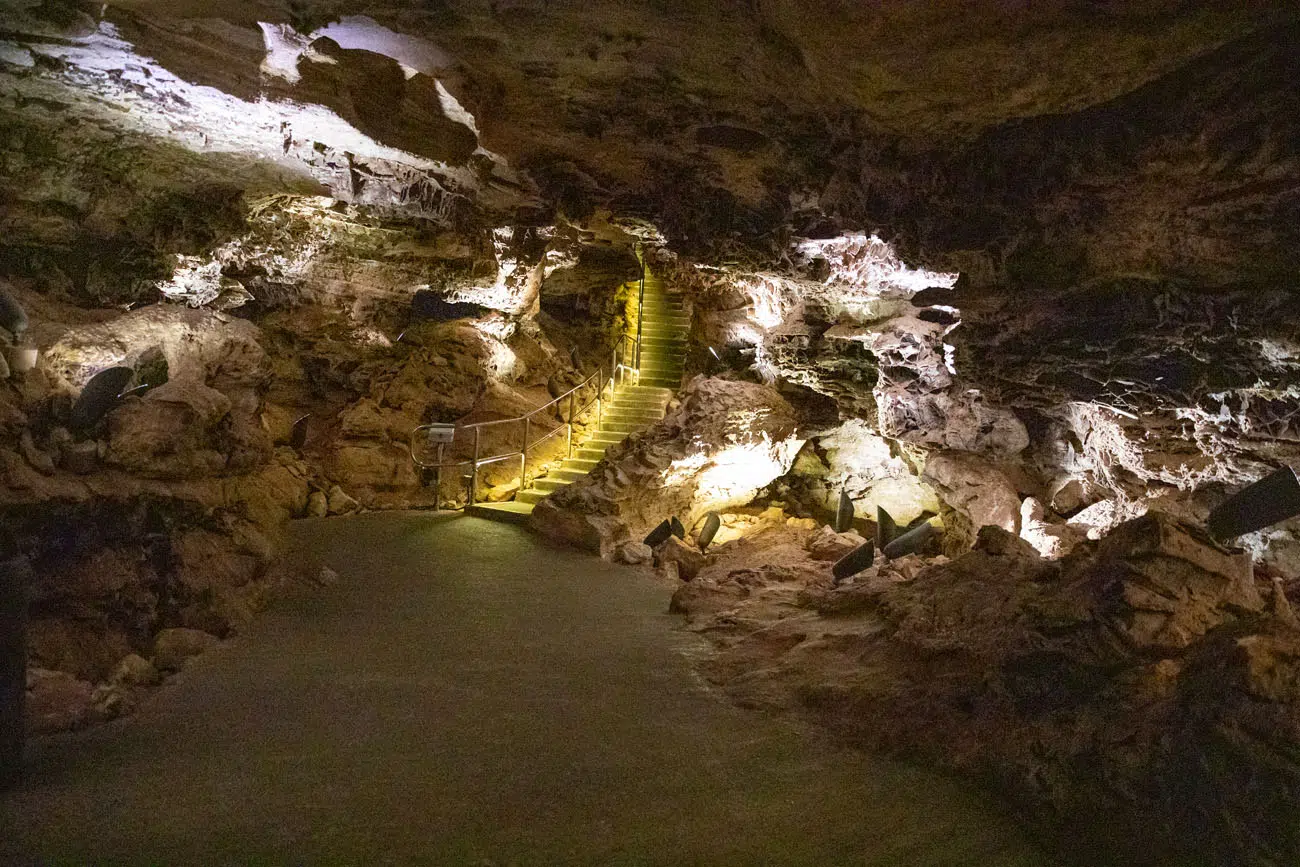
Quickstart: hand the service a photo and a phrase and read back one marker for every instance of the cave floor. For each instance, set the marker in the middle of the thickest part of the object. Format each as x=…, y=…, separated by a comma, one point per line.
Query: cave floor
x=466, y=695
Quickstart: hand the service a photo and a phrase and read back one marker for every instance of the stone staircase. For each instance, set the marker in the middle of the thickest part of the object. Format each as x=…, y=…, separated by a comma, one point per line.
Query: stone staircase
x=665, y=329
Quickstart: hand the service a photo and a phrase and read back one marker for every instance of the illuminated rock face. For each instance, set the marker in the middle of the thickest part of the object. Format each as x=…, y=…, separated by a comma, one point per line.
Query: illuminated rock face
x=1124, y=681
x=1012, y=272
x=722, y=445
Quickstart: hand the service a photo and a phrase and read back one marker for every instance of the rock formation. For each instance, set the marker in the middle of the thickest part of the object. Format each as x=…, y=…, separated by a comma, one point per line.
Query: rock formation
x=1026, y=274
x=723, y=443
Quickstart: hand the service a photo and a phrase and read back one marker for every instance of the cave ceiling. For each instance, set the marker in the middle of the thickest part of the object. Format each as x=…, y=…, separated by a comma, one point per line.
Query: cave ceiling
x=936, y=122
x=1116, y=183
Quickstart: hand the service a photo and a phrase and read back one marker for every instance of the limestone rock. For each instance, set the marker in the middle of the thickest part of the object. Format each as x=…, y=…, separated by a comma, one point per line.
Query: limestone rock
x=56, y=702
x=134, y=671
x=39, y=460
x=80, y=458
x=689, y=559
x=373, y=465
x=317, y=505
x=1051, y=539
x=724, y=442
x=174, y=647
x=831, y=546
x=210, y=562
x=602, y=534
x=634, y=553
x=975, y=488
x=340, y=503
x=170, y=432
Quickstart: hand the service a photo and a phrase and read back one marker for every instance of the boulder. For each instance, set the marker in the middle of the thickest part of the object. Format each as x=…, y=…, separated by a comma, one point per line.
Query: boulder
x=1051, y=539
x=975, y=488
x=57, y=701
x=689, y=559
x=633, y=553
x=601, y=534
x=831, y=546
x=173, y=648
x=340, y=503
x=210, y=562
x=717, y=449
x=135, y=671
x=318, y=505
x=170, y=432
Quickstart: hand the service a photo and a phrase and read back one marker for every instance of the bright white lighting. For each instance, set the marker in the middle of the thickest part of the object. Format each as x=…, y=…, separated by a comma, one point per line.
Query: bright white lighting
x=100, y=77
x=871, y=265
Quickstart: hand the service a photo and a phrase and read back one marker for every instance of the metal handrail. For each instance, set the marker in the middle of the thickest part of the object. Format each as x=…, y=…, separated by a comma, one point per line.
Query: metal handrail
x=617, y=375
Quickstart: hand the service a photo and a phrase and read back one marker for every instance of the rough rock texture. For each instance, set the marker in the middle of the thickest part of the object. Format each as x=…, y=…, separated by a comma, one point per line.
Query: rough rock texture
x=1028, y=268
x=723, y=443
x=1142, y=681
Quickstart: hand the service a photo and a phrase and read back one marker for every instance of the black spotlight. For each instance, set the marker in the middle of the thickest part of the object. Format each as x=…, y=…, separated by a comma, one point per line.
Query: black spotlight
x=298, y=434
x=710, y=529
x=678, y=530
x=886, y=529
x=910, y=542
x=844, y=514
x=1273, y=498
x=98, y=397
x=659, y=534
x=854, y=562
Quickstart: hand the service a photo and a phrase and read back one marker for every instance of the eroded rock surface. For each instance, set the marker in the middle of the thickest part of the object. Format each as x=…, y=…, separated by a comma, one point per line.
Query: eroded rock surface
x=723, y=443
x=1143, y=678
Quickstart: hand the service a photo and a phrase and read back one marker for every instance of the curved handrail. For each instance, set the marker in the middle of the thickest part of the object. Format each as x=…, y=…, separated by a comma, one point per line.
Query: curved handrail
x=618, y=369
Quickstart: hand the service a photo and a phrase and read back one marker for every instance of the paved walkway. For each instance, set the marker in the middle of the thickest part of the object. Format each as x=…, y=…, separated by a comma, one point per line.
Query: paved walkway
x=465, y=695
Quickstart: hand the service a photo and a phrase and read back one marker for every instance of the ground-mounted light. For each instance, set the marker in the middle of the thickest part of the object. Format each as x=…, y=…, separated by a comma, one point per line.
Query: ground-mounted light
x=98, y=397
x=660, y=534
x=861, y=557
x=886, y=529
x=1273, y=498
x=712, y=524
x=844, y=514
x=910, y=542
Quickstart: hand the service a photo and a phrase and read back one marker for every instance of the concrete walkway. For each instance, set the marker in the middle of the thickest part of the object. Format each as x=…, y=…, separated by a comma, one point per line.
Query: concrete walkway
x=465, y=695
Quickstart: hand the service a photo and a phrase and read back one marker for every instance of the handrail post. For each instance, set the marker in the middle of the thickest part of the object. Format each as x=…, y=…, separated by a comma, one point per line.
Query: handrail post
x=600, y=394
x=473, y=479
x=570, y=434
x=640, y=311
x=437, y=477
x=523, y=455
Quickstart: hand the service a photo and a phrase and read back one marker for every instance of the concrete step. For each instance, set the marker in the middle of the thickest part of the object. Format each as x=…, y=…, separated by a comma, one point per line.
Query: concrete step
x=655, y=367
x=530, y=497
x=680, y=320
x=608, y=438
x=579, y=465
x=649, y=414
x=516, y=512
x=643, y=390
x=549, y=484
x=592, y=452
x=567, y=475
x=633, y=416
x=669, y=345
x=667, y=383
x=622, y=428
x=632, y=402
